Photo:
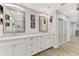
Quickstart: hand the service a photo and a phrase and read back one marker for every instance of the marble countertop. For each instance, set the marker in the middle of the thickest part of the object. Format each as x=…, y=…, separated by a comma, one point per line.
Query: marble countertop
x=11, y=37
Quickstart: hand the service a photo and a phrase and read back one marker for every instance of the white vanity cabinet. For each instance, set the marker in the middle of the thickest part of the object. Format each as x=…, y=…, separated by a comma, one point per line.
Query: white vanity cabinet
x=48, y=41
x=37, y=44
x=13, y=48
x=25, y=46
x=51, y=40
x=31, y=46
x=19, y=48
x=6, y=50
x=34, y=45
x=41, y=43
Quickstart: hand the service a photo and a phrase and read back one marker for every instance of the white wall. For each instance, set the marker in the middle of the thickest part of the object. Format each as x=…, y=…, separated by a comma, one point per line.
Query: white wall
x=51, y=26
x=28, y=21
x=28, y=30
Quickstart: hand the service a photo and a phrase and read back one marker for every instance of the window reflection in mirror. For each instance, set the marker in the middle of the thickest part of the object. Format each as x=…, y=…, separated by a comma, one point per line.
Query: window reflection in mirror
x=14, y=20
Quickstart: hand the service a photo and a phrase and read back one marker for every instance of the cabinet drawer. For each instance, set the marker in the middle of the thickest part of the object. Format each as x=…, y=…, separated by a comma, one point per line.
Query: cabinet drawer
x=32, y=50
x=31, y=40
x=31, y=46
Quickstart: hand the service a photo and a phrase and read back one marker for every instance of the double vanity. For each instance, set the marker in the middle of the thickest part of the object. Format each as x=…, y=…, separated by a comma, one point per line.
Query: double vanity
x=26, y=32
x=22, y=45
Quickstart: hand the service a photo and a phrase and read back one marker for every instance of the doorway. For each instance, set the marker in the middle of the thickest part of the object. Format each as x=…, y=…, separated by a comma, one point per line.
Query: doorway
x=62, y=31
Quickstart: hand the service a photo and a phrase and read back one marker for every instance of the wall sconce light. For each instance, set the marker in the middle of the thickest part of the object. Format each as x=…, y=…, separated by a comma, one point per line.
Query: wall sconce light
x=51, y=19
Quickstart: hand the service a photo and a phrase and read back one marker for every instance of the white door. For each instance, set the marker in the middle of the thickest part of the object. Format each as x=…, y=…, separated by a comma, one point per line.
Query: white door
x=65, y=31
x=6, y=50
x=72, y=28
x=20, y=49
x=60, y=31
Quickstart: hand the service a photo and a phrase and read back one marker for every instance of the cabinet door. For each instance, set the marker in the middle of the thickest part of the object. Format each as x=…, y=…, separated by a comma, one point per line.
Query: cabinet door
x=50, y=40
x=31, y=45
x=20, y=49
x=6, y=51
x=42, y=43
x=47, y=40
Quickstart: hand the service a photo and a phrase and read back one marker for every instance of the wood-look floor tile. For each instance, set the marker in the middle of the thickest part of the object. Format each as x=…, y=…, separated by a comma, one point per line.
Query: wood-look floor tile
x=70, y=48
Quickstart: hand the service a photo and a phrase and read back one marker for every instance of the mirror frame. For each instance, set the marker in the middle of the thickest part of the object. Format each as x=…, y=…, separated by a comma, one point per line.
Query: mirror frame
x=4, y=20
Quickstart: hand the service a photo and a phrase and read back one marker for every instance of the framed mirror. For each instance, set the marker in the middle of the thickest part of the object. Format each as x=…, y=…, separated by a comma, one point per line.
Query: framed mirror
x=14, y=20
x=1, y=9
x=43, y=24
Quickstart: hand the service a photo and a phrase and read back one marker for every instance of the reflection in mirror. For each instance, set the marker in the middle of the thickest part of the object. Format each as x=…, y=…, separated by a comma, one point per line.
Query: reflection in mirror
x=7, y=17
x=1, y=9
x=14, y=20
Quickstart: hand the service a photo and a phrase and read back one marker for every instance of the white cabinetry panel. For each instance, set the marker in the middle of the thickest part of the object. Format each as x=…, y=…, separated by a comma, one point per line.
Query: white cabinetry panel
x=20, y=49
x=46, y=38
x=15, y=47
x=37, y=44
x=30, y=46
x=41, y=43
x=51, y=41
x=48, y=41
x=6, y=50
x=27, y=46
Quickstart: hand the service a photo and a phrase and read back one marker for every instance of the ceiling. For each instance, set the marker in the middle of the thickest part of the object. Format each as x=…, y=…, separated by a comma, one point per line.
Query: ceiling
x=43, y=7
x=68, y=9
